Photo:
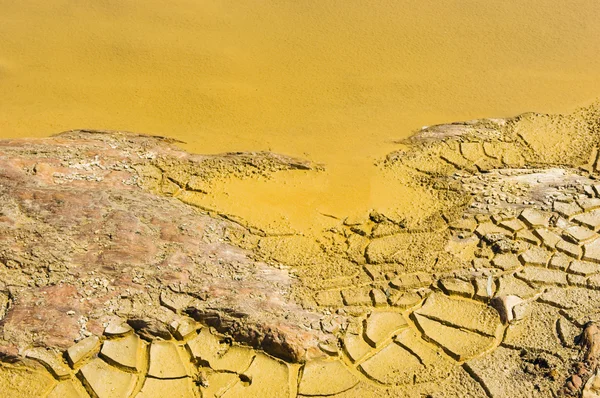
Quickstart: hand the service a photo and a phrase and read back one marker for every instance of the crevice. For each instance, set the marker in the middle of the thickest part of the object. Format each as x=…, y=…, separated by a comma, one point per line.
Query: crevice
x=471, y=372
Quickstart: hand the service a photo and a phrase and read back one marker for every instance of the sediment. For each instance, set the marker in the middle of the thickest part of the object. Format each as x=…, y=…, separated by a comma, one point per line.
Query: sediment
x=116, y=283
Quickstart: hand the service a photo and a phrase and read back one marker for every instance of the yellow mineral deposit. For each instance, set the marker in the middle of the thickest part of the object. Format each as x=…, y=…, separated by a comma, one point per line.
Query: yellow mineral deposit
x=333, y=81
x=433, y=304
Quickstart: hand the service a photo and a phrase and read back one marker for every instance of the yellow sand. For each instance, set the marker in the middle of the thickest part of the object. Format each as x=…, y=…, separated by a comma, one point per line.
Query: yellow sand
x=334, y=81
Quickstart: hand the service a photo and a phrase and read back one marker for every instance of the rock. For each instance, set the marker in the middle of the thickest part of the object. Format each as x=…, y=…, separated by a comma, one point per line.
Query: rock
x=117, y=328
x=592, y=387
x=109, y=224
x=504, y=305
x=590, y=342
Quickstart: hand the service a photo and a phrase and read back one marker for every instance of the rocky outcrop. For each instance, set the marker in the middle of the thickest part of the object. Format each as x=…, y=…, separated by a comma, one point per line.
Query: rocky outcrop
x=84, y=240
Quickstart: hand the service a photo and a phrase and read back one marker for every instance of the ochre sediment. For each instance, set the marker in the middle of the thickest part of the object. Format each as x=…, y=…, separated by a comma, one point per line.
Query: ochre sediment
x=118, y=282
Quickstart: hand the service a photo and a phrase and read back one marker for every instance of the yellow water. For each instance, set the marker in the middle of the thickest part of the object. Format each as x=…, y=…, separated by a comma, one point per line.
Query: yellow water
x=333, y=81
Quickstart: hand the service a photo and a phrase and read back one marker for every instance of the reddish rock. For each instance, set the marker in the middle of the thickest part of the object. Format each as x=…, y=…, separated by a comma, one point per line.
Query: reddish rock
x=85, y=234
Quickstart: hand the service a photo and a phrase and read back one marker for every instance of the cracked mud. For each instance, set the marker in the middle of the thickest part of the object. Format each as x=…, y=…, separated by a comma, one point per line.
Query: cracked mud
x=117, y=280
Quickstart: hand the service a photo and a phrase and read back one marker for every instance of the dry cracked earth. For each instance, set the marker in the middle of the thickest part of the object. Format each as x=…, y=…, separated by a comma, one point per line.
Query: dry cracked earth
x=115, y=283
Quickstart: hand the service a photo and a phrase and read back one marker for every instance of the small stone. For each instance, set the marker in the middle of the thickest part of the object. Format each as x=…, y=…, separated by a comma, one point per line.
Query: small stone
x=380, y=326
x=117, y=328
x=484, y=288
x=520, y=311
x=166, y=361
x=504, y=305
x=323, y=377
x=82, y=349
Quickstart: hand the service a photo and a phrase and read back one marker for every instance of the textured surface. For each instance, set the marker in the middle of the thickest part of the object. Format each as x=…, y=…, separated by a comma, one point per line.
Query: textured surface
x=495, y=290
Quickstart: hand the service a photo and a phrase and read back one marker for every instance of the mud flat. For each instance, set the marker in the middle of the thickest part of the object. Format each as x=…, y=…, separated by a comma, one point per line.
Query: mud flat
x=118, y=282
